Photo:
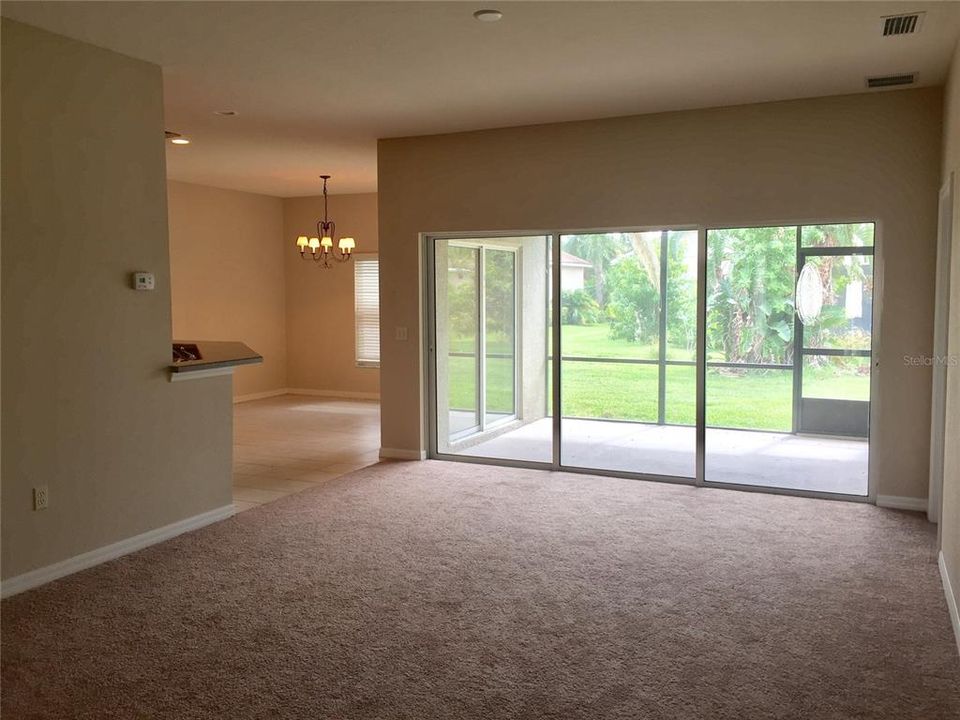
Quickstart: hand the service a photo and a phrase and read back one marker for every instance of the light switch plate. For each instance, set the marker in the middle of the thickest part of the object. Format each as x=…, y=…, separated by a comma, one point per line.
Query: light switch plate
x=143, y=281
x=400, y=333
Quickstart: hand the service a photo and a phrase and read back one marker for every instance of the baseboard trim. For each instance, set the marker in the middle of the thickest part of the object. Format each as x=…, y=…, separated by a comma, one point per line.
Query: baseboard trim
x=951, y=598
x=401, y=454
x=899, y=502
x=345, y=394
x=259, y=395
x=49, y=573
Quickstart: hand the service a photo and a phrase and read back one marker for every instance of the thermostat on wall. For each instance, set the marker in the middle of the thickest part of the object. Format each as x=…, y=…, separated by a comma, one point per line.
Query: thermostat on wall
x=143, y=281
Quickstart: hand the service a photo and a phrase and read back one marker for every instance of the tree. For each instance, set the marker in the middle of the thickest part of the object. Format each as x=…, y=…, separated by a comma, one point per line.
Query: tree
x=750, y=294
x=681, y=291
x=499, y=286
x=462, y=312
x=599, y=250
x=844, y=235
x=647, y=252
x=578, y=308
x=634, y=307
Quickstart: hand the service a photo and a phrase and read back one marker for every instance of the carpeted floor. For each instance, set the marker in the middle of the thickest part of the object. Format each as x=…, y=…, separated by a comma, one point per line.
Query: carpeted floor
x=445, y=590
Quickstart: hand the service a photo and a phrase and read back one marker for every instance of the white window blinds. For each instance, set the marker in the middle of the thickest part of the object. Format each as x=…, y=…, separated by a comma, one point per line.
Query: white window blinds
x=366, y=277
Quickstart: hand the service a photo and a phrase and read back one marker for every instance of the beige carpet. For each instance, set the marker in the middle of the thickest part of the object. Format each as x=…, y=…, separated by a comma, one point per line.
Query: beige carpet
x=444, y=590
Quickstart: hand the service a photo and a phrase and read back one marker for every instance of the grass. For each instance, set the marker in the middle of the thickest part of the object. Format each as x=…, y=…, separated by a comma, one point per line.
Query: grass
x=757, y=399
x=595, y=341
x=463, y=384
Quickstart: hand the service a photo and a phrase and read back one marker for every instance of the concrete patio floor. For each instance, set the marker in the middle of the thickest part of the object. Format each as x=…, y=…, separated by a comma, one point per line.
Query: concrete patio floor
x=743, y=457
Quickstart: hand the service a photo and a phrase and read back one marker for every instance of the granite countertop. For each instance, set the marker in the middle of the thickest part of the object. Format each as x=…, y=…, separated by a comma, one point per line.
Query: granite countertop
x=213, y=354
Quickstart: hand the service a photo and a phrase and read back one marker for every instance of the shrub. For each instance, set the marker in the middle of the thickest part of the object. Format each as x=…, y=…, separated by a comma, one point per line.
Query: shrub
x=578, y=308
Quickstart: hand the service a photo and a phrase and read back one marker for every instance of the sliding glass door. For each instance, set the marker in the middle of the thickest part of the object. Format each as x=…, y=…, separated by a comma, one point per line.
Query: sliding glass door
x=789, y=334
x=628, y=352
x=490, y=347
x=460, y=327
x=729, y=356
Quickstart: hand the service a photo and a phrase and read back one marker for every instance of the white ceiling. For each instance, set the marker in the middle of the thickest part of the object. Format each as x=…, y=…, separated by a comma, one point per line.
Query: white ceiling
x=316, y=83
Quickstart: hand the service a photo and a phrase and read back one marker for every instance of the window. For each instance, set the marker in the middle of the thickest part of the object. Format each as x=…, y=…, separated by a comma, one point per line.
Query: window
x=366, y=289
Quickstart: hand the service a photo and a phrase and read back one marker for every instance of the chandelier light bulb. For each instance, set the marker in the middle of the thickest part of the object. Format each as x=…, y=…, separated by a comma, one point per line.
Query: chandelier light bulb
x=347, y=244
x=314, y=243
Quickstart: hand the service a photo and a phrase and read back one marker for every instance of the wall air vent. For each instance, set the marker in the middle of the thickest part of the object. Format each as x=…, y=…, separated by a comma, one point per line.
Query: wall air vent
x=902, y=24
x=885, y=81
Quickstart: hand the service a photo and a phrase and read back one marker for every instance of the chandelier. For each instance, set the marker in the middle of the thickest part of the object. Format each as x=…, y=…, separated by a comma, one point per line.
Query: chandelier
x=321, y=246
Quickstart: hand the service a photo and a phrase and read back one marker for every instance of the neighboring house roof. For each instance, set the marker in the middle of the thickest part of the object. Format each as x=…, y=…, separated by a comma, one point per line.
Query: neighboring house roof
x=568, y=260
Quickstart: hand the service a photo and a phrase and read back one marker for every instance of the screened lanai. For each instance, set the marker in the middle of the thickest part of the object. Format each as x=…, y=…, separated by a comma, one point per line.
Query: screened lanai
x=784, y=314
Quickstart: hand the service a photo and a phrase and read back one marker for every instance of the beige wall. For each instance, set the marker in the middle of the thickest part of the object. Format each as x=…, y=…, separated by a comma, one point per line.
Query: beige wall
x=861, y=156
x=87, y=408
x=950, y=513
x=227, y=276
x=320, y=316
x=297, y=315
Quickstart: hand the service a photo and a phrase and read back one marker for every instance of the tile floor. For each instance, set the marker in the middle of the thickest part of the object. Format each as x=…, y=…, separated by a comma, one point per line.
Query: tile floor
x=740, y=457
x=289, y=443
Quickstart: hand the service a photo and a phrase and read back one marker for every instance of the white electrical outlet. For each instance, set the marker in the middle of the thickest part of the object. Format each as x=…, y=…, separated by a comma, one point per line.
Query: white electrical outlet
x=41, y=497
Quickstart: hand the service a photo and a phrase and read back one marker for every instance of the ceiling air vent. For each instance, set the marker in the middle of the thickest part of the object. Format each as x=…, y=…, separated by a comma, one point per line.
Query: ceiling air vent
x=902, y=24
x=891, y=80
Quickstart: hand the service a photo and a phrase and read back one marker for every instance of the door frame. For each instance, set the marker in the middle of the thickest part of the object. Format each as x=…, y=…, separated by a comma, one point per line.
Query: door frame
x=473, y=241
x=800, y=350
x=941, y=332
x=481, y=394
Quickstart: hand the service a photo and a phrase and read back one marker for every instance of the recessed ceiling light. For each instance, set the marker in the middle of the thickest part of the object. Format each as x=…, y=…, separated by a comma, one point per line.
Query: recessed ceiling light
x=180, y=141
x=488, y=15
x=225, y=113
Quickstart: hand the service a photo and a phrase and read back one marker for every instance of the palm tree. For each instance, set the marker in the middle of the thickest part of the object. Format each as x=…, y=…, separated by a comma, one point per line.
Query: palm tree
x=648, y=257
x=599, y=250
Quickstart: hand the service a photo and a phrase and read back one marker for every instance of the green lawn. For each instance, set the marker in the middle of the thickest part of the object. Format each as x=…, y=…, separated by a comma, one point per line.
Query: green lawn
x=758, y=399
x=595, y=341
x=463, y=384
